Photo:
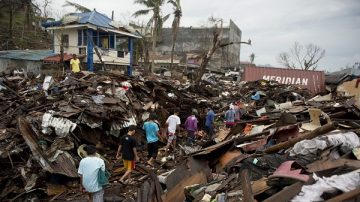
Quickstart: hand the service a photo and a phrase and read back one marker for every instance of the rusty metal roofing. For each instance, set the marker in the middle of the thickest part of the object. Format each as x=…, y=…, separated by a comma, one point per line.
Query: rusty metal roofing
x=32, y=55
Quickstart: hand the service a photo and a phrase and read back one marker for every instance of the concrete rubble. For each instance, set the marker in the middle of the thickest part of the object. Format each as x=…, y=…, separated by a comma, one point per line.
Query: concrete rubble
x=287, y=144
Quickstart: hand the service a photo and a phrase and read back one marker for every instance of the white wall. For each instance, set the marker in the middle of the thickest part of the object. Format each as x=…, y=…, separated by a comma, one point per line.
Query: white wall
x=109, y=57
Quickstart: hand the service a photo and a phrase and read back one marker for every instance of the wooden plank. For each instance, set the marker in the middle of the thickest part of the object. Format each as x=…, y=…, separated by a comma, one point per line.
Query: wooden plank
x=330, y=164
x=354, y=194
x=259, y=186
x=287, y=193
x=310, y=135
x=246, y=186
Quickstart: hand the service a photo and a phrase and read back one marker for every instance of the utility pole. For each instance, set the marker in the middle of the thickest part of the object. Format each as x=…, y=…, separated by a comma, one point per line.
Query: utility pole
x=248, y=43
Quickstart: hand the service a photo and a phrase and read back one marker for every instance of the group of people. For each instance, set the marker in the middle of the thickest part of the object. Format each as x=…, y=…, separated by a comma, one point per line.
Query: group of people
x=233, y=114
x=91, y=165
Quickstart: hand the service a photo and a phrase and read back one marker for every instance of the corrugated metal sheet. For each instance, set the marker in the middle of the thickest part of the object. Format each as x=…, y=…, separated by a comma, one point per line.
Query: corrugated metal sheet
x=312, y=80
x=32, y=55
x=94, y=18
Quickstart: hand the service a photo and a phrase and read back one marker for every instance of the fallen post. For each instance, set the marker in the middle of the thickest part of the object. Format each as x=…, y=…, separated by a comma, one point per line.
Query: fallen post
x=310, y=135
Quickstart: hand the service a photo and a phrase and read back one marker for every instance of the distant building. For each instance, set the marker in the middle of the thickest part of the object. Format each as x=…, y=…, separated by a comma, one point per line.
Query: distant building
x=27, y=60
x=83, y=33
x=197, y=41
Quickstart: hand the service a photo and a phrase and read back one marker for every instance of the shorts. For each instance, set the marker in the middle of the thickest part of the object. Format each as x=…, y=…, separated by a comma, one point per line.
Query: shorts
x=191, y=134
x=171, y=137
x=129, y=165
x=229, y=124
x=152, y=149
x=98, y=196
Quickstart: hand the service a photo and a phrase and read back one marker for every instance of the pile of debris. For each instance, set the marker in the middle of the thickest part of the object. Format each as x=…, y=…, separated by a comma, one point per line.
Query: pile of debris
x=46, y=119
x=298, y=150
x=284, y=139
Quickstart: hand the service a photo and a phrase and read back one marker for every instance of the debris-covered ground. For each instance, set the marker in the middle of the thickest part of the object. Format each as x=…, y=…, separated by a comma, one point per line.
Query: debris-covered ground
x=287, y=145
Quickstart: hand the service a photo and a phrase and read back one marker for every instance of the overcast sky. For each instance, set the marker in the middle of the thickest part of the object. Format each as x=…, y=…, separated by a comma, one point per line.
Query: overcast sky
x=273, y=26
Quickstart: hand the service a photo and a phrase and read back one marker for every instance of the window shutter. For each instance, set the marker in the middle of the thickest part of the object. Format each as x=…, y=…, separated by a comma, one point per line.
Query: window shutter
x=112, y=40
x=79, y=37
x=85, y=37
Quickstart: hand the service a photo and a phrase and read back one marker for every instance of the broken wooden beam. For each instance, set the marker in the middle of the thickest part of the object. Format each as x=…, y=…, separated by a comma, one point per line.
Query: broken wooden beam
x=310, y=135
x=330, y=164
x=289, y=192
x=246, y=186
x=354, y=194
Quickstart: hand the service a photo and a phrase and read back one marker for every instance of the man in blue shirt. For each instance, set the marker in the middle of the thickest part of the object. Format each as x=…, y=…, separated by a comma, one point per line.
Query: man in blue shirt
x=209, y=128
x=152, y=137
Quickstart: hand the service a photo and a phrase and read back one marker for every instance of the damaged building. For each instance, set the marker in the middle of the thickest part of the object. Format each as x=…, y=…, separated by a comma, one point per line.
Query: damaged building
x=197, y=41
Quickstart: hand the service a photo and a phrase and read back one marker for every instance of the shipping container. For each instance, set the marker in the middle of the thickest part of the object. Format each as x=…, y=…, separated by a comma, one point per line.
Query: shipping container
x=312, y=80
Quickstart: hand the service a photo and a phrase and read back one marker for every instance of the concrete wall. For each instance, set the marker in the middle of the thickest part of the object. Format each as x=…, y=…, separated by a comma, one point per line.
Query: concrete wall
x=199, y=40
x=28, y=66
x=108, y=56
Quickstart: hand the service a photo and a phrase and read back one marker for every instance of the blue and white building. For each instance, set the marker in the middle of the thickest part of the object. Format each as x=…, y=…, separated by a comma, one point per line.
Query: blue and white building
x=81, y=32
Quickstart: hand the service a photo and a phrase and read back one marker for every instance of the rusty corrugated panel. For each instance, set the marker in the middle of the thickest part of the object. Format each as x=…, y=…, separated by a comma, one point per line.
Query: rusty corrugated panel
x=312, y=80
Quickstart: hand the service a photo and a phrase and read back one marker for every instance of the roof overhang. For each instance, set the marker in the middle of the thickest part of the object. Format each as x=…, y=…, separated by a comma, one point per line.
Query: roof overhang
x=73, y=26
x=94, y=28
x=123, y=33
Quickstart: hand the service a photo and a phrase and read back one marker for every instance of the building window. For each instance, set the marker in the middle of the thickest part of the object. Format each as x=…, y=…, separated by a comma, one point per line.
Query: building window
x=121, y=54
x=82, y=37
x=65, y=40
x=82, y=51
x=122, y=44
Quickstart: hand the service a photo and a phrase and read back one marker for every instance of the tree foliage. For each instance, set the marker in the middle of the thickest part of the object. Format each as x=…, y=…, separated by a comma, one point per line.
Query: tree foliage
x=302, y=57
x=156, y=20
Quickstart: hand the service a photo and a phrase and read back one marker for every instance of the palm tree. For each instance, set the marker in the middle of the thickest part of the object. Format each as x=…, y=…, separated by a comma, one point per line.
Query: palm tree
x=156, y=20
x=175, y=26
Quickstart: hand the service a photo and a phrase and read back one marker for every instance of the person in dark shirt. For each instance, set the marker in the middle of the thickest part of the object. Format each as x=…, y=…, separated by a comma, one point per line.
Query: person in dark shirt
x=127, y=148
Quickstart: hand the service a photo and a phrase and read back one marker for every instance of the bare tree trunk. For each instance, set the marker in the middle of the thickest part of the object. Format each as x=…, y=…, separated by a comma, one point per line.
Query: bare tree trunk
x=154, y=40
x=62, y=54
x=11, y=18
x=203, y=65
x=173, y=48
x=217, y=35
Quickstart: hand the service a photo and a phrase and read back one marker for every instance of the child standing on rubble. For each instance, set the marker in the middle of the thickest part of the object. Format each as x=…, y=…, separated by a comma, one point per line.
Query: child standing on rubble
x=127, y=148
x=88, y=171
x=173, y=123
x=152, y=137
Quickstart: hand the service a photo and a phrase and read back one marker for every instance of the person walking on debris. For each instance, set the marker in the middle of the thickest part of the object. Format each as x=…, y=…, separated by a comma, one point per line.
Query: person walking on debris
x=75, y=64
x=209, y=128
x=173, y=123
x=152, y=137
x=230, y=117
x=88, y=171
x=237, y=111
x=191, y=127
x=127, y=149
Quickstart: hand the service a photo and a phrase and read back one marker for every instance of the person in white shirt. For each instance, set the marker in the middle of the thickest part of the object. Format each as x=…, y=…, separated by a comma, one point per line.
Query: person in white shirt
x=88, y=171
x=173, y=123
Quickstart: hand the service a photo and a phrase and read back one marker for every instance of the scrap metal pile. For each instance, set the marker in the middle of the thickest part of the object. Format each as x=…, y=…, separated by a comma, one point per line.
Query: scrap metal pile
x=284, y=139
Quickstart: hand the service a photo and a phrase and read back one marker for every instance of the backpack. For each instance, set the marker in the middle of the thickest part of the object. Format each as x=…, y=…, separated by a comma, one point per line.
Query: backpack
x=103, y=177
